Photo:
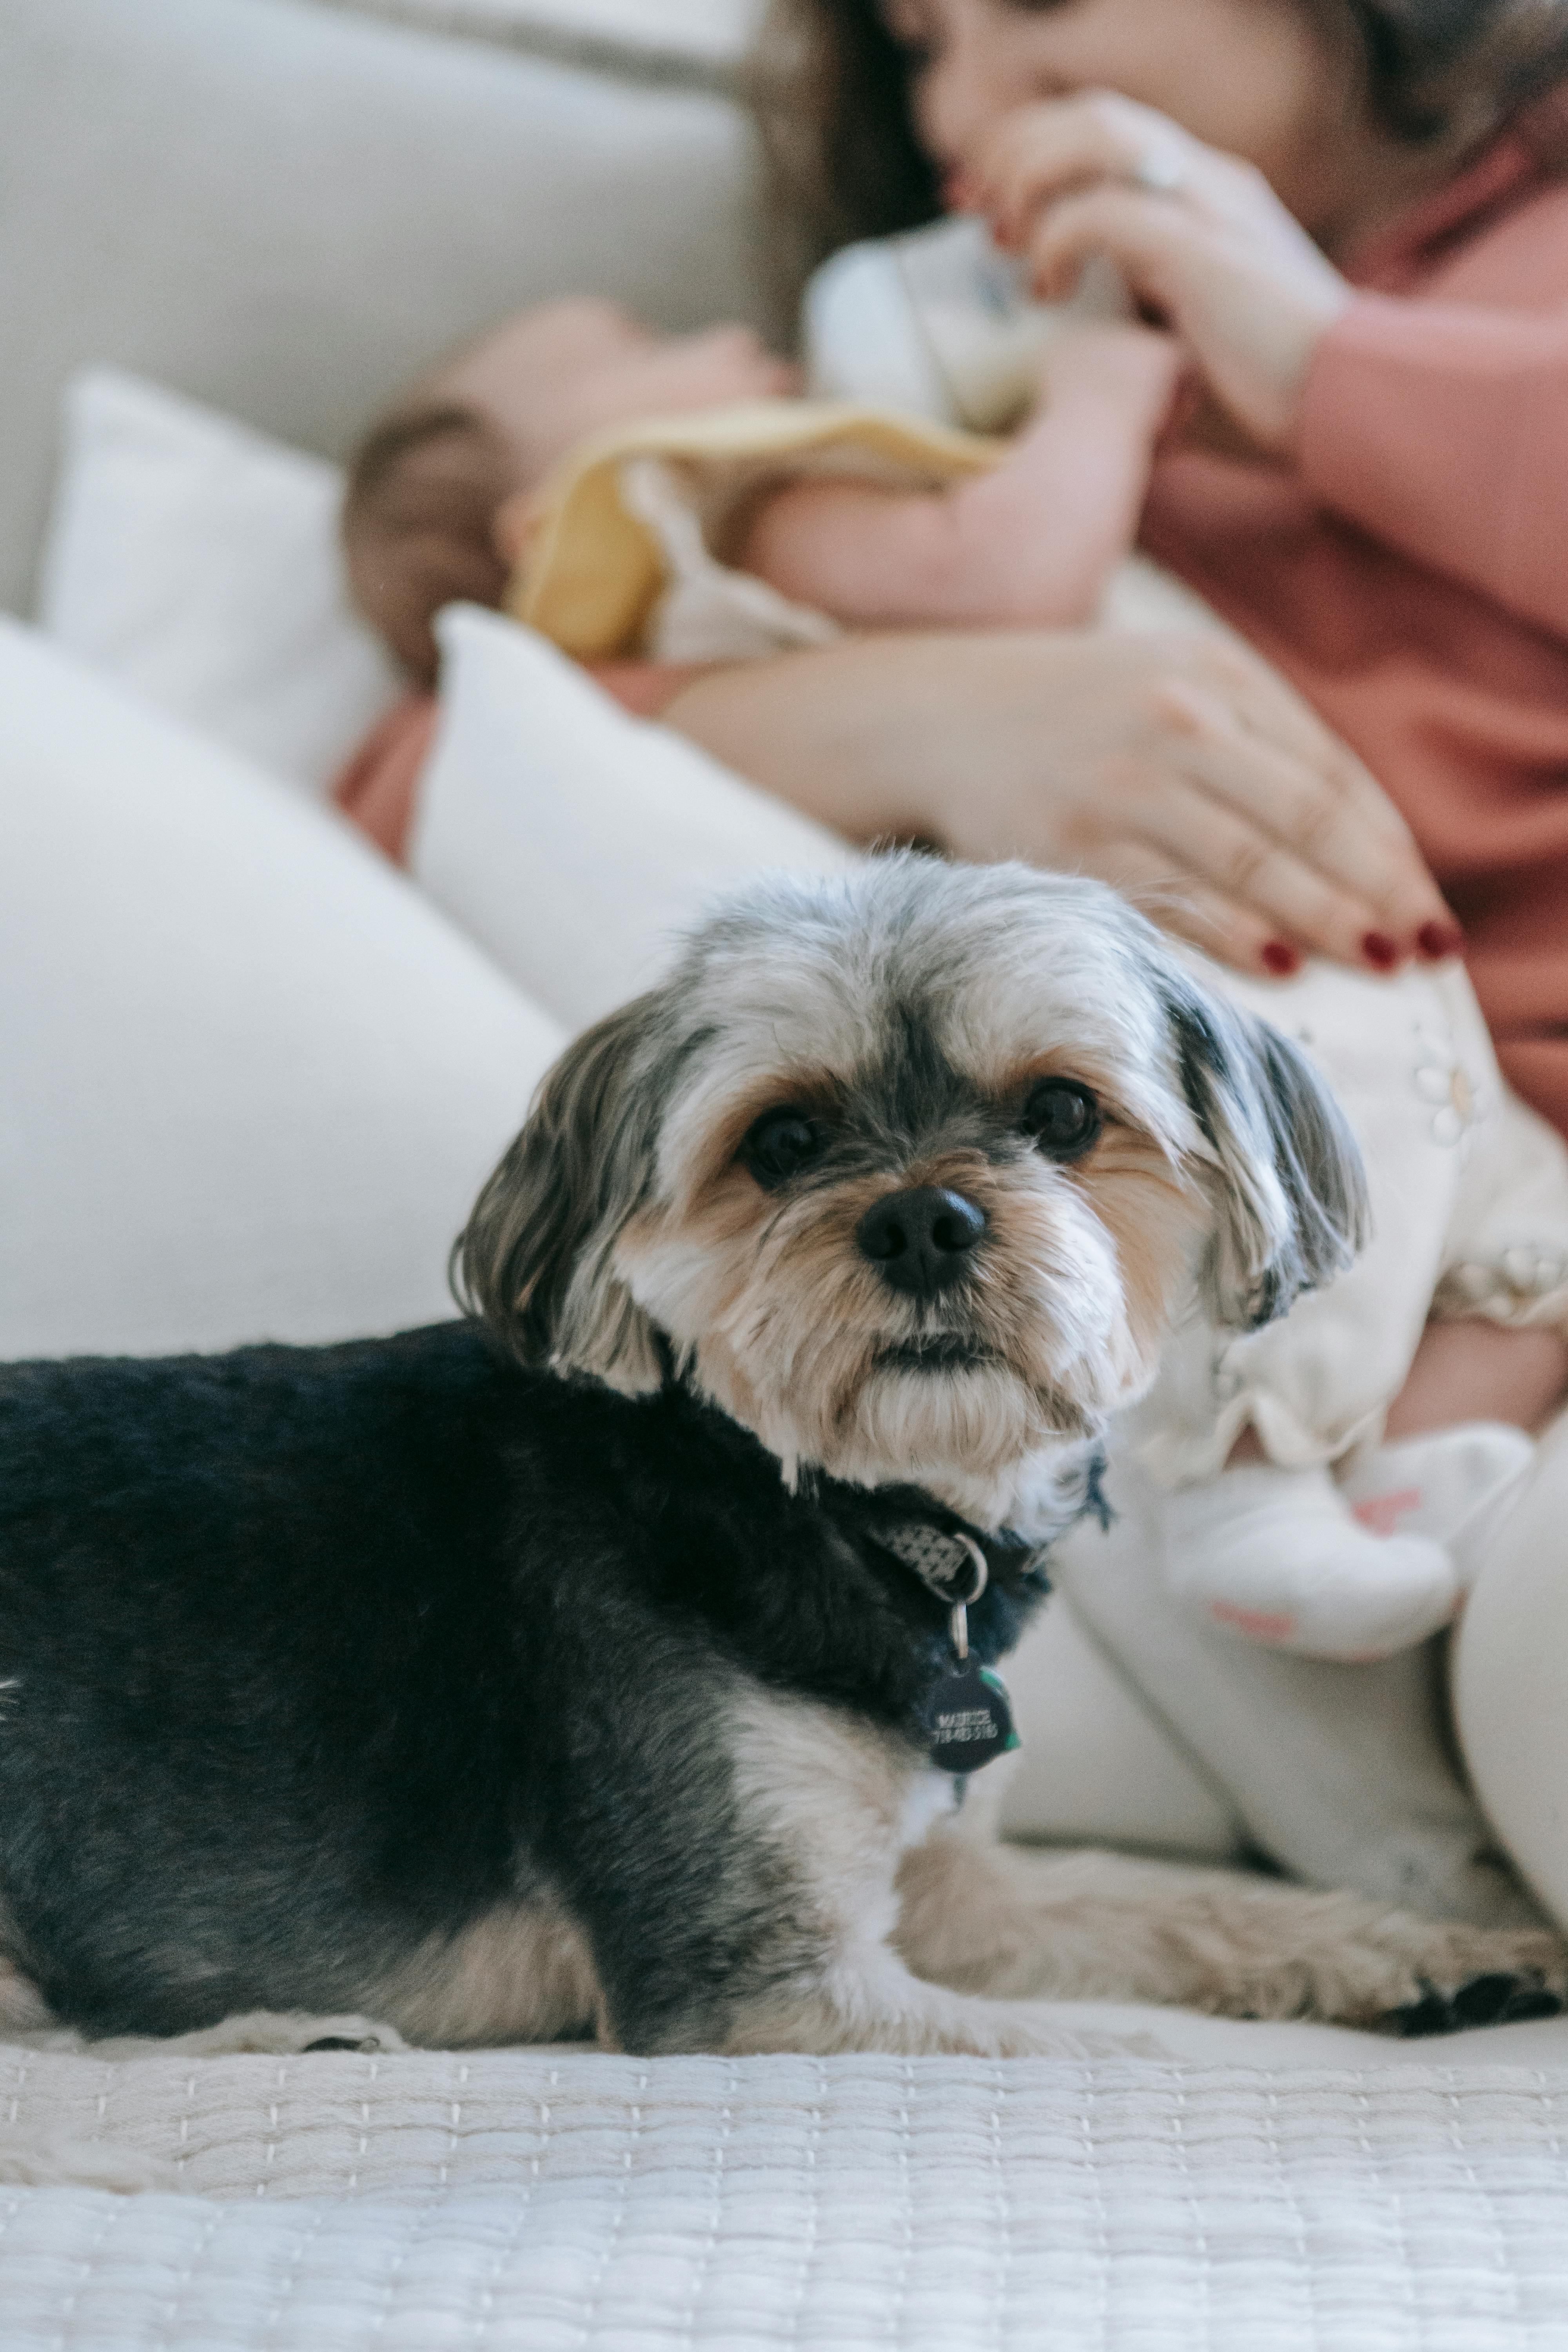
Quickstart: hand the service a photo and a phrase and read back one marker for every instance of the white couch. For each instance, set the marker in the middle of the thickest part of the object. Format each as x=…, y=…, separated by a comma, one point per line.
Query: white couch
x=249, y=1078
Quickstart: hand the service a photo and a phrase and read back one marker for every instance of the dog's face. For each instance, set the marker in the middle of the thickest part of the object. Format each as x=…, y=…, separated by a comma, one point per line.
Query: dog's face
x=910, y=1170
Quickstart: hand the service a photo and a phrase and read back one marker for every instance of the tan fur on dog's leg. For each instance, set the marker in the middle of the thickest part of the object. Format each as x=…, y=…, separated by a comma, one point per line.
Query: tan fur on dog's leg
x=259, y=2032
x=1101, y=1926
x=872, y=2002
x=839, y=1803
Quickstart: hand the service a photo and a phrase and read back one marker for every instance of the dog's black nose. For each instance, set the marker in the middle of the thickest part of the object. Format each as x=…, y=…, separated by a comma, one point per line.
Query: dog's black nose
x=918, y=1240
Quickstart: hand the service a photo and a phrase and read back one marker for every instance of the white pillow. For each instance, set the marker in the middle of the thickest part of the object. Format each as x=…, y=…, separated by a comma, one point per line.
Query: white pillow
x=197, y=561
x=250, y=1082
x=571, y=840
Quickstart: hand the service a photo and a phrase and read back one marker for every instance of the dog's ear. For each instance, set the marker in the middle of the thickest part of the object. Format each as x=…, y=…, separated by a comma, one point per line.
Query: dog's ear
x=1289, y=1187
x=535, y=1258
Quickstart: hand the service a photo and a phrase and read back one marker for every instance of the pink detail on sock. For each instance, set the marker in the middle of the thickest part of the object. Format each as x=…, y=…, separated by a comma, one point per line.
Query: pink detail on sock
x=1380, y=1514
x=1258, y=1624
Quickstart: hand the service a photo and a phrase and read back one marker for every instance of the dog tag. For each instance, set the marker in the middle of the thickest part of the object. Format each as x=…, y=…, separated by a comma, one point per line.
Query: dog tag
x=969, y=1719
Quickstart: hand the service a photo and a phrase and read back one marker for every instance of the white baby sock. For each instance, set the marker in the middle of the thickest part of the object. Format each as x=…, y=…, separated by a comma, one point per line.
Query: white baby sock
x=1278, y=1557
x=1454, y=1485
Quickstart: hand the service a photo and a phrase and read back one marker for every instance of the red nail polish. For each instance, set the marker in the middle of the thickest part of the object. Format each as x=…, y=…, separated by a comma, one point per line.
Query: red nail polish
x=1440, y=941
x=1279, y=959
x=1380, y=950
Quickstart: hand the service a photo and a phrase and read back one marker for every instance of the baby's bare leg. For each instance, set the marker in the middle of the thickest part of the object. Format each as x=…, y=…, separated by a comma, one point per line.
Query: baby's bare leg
x=1469, y=1369
x=1035, y=541
x=1478, y=1371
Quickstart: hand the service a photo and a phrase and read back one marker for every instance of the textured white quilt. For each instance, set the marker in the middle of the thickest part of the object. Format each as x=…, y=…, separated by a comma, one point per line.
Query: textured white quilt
x=565, y=2202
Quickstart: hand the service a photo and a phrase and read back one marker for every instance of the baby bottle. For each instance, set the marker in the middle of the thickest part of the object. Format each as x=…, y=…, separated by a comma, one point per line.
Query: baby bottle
x=941, y=323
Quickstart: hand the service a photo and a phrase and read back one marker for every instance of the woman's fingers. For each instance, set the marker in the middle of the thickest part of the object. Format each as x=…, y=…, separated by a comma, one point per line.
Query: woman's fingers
x=1148, y=239
x=1199, y=236
x=1041, y=152
x=1237, y=692
x=1187, y=821
x=1352, y=871
x=1198, y=767
x=1181, y=901
x=1251, y=319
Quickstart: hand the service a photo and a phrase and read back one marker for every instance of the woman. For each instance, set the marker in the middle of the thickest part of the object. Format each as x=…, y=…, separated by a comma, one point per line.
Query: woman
x=1341, y=210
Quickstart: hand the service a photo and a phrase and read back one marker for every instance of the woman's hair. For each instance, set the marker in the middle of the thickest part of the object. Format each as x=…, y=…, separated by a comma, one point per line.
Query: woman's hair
x=830, y=88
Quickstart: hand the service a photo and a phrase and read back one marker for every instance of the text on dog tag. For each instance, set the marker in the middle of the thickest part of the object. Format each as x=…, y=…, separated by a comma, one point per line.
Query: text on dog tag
x=968, y=1718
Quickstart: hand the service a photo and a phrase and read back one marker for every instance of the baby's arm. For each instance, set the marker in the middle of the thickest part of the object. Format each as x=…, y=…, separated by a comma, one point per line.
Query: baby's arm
x=1034, y=542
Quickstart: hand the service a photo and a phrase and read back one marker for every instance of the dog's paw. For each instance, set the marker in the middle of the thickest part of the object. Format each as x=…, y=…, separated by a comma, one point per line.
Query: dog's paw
x=1449, y=1977
x=367, y=2035
x=264, y=2032
x=1501, y=1997
x=1344, y=1962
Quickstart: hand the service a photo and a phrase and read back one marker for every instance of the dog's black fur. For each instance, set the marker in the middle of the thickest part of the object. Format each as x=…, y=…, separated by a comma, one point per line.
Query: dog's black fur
x=317, y=1655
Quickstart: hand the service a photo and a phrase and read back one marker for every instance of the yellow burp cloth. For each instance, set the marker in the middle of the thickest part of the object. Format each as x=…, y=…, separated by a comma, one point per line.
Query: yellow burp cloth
x=597, y=564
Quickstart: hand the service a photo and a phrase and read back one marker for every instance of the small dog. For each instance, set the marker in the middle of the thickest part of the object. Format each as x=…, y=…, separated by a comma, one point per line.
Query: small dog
x=586, y=1666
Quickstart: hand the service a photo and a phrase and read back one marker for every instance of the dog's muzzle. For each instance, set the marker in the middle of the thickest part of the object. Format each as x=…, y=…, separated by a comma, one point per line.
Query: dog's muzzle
x=918, y=1240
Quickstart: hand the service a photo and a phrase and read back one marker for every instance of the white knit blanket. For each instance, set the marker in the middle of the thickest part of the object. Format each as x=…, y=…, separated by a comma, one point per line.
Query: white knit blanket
x=573, y=2202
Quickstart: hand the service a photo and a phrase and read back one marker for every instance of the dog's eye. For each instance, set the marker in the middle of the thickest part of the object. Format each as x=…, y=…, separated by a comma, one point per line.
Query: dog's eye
x=1063, y=1117
x=779, y=1144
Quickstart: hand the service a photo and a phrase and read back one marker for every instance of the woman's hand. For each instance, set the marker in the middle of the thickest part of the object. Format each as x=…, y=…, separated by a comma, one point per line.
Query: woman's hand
x=1182, y=770
x=1201, y=238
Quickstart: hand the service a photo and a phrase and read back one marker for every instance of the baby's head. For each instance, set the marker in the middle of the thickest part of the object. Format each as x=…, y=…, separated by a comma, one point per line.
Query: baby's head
x=438, y=490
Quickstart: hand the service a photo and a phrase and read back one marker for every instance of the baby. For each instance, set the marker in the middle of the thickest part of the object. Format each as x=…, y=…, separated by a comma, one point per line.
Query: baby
x=651, y=503
x=853, y=516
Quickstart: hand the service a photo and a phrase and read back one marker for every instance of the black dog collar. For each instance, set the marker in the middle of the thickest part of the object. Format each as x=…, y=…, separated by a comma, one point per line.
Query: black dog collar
x=967, y=1713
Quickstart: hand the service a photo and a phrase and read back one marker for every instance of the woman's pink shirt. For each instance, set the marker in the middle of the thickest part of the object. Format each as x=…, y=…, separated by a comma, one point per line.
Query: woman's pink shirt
x=1411, y=575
